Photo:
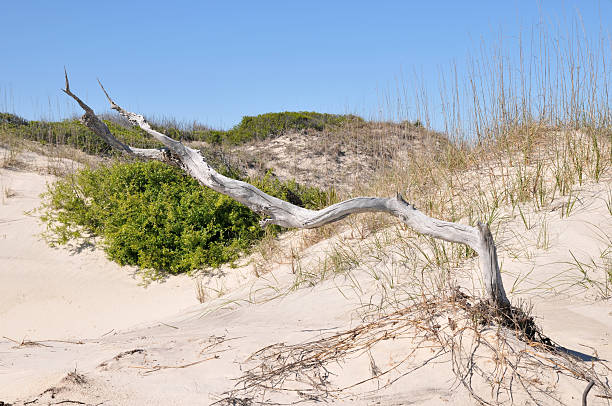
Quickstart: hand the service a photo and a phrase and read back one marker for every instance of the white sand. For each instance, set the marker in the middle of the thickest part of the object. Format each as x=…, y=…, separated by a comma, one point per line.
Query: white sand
x=48, y=293
x=54, y=294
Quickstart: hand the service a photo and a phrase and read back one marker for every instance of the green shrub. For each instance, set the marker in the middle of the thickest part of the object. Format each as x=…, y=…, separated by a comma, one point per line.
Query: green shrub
x=259, y=127
x=271, y=124
x=155, y=217
x=293, y=192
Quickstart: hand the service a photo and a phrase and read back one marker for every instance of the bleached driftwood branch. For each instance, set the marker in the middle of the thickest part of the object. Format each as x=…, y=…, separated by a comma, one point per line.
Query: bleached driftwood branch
x=285, y=214
x=97, y=126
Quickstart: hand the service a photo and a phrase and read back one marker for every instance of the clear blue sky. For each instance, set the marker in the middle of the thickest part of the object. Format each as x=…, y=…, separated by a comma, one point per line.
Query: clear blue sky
x=216, y=61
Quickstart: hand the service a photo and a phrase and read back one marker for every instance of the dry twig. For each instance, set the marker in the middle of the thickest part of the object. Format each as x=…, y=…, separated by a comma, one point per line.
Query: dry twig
x=468, y=331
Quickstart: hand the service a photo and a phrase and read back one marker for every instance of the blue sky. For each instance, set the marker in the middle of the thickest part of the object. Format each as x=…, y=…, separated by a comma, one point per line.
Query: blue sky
x=216, y=61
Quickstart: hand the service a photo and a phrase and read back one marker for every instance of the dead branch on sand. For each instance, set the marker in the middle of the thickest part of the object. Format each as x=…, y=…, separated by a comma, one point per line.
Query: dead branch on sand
x=156, y=368
x=285, y=214
x=488, y=343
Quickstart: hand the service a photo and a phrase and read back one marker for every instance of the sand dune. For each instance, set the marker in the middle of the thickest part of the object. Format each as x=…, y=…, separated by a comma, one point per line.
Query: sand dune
x=50, y=293
x=78, y=327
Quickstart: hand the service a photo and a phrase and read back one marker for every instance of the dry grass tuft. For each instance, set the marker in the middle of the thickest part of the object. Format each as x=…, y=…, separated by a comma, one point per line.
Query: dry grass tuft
x=200, y=290
x=525, y=363
x=75, y=378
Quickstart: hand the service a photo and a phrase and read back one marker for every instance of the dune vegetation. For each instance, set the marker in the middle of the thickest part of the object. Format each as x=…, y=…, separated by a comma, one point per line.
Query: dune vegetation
x=155, y=217
x=525, y=147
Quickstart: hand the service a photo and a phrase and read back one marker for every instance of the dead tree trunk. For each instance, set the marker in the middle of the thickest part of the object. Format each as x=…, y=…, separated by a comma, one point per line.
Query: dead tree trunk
x=282, y=213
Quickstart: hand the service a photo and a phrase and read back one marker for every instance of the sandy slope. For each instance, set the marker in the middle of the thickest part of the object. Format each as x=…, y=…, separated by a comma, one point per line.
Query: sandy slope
x=338, y=159
x=163, y=348
x=48, y=293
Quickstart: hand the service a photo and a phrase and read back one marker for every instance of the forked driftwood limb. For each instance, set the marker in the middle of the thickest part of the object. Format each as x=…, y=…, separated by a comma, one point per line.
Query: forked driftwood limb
x=285, y=214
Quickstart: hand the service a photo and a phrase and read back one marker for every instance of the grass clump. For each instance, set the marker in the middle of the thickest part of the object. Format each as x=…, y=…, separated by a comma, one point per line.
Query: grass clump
x=153, y=216
x=72, y=133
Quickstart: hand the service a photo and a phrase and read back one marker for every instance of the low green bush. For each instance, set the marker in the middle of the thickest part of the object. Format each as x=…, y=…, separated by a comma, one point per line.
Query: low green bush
x=293, y=192
x=271, y=124
x=260, y=127
x=156, y=217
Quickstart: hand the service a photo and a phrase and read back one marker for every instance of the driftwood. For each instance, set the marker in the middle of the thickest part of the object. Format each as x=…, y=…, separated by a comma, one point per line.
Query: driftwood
x=285, y=214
